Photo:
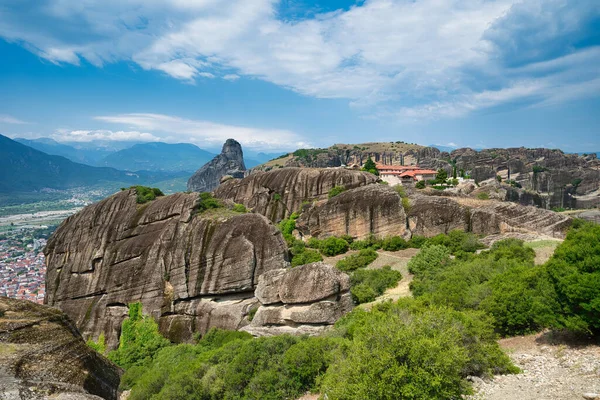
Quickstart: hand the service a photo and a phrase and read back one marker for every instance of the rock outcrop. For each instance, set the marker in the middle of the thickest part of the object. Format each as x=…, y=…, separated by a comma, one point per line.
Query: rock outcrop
x=190, y=270
x=360, y=212
x=548, y=177
x=302, y=300
x=229, y=163
x=43, y=356
x=277, y=194
x=432, y=215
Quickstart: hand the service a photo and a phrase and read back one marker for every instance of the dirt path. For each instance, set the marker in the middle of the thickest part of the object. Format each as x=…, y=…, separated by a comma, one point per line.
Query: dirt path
x=552, y=370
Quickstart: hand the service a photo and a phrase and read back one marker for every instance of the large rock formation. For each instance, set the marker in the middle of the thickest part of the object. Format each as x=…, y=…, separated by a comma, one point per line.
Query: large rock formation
x=229, y=162
x=431, y=215
x=190, y=270
x=43, y=356
x=278, y=193
x=360, y=212
x=302, y=300
x=549, y=178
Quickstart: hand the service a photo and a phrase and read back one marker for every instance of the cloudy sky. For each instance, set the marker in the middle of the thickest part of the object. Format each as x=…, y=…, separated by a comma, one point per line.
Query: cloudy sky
x=278, y=75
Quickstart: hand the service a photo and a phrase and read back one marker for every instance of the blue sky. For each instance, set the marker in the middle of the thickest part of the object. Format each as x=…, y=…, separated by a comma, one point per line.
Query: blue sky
x=278, y=75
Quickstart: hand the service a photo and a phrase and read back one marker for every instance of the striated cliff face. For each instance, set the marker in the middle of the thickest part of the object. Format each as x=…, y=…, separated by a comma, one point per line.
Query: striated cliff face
x=549, y=178
x=431, y=215
x=229, y=162
x=371, y=209
x=43, y=356
x=277, y=194
x=191, y=272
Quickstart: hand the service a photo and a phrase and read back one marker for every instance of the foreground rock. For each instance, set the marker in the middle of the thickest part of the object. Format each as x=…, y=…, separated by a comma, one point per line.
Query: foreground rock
x=43, y=356
x=279, y=193
x=302, y=300
x=191, y=271
x=229, y=163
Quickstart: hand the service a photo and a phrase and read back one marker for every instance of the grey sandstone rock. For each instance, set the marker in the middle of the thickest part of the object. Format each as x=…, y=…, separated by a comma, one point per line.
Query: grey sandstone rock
x=230, y=164
x=163, y=255
x=43, y=356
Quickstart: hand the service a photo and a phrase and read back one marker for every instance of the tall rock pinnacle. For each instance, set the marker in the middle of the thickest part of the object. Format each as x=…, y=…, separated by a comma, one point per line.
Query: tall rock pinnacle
x=229, y=162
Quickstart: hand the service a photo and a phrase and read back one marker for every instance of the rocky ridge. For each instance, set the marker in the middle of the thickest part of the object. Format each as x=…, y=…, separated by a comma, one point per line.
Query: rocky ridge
x=367, y=208
x=547, y=177
x=190, y=271
x=230, y=162
x=43, y=356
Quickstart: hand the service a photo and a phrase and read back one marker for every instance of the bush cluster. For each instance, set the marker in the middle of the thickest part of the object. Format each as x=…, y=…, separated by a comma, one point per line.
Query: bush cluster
x=335, y=191
x=331, y=246
x=367, y=284
x=356, y=261
x=520, y=296
x=140, y=340
x=402, y=350
x=206, y=201
x=146, y=194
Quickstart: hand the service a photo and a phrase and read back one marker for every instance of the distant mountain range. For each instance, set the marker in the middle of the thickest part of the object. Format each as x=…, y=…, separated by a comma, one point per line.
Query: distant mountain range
x=136, y=156
x=82, y=155
x=158, y=156
x=25, y=169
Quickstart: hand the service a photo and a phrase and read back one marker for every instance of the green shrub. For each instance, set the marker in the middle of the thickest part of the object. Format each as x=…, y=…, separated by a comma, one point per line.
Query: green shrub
x=371, y=242
x=336, y=190
x=406, y=204
x=370, y=166
x=206, y=201
x=139, y=341
x=306, y=257
x=406, y=350
x=457, y=241
x=400, y=190
x=483, y=196
x=420, y=185
x=100, y=345
x=502, y=282
x=575, y=271
x=367, y=284
x=333, y=246
x=239, y=208
x=232, y=365
x=355, y=261
x=145, y=194
x=416, y=241
x=287, y=226
x=394, y=243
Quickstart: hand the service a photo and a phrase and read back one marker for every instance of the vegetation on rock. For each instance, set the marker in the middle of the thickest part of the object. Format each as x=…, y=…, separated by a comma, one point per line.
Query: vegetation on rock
x=146, y=194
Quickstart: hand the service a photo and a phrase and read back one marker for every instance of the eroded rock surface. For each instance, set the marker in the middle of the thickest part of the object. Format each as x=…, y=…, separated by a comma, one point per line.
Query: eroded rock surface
x=277, y=194
x=302, y=300
x=190, y=272
x=43, y=356
x=371, y=209
x=230, y=163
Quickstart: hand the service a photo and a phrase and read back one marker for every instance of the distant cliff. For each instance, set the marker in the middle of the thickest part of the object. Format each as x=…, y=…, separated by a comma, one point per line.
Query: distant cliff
x=229, y=162
x=542, y=177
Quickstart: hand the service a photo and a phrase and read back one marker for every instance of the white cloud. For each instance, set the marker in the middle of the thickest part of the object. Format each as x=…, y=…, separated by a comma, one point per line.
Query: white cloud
x=7, y=119
x=423, y=58
x=66, y=135
x=206, y=133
